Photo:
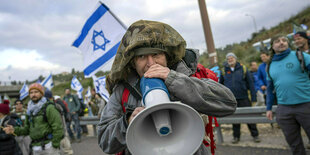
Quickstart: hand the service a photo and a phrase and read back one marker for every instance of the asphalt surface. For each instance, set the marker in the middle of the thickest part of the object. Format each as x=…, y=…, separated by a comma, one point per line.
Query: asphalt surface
x=272, y=143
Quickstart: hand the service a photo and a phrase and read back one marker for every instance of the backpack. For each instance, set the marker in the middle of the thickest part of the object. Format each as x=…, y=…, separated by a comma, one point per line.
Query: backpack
x=201, y=72
x=57, y=106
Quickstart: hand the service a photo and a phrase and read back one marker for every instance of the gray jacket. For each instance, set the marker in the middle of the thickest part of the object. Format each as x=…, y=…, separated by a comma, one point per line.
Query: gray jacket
x=205, y=96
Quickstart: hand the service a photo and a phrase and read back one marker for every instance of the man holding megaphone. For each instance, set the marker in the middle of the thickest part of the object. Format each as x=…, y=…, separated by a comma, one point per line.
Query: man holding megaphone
x=152, y=49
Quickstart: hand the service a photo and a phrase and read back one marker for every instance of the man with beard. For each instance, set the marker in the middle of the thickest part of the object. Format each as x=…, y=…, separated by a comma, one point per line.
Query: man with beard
x=290, y=86
x=43, y=123
x=302, y=42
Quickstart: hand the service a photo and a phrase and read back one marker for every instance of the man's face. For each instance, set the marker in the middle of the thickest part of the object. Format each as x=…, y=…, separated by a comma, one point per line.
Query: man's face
x=300, y=41
x=231, y=61
x=35, y=95
x=144, y=62
x=280, y=44
x=18, y=106
x=67, y=91
x=253, y=66
x=264, y=57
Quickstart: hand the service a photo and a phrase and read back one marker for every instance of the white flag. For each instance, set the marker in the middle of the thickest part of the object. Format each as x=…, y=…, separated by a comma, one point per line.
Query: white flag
x=23, y=92
x=99, y=40
x=48, y=82
x=99, y=84
x=76, y=85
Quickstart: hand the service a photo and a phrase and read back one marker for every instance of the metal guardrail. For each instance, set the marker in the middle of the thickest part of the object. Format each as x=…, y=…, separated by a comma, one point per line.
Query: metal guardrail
x=244, y=115
x=241, y=115
x=90, y=120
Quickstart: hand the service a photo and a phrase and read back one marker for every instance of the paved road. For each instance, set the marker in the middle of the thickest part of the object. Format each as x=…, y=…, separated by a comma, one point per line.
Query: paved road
x=89, y=146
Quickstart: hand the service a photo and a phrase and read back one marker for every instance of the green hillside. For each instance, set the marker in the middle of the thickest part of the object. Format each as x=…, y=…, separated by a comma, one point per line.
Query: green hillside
x=244, y=50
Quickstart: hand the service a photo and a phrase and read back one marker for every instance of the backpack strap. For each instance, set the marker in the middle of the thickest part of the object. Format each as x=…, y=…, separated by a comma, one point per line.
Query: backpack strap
x=301, y=60
x=125, y=98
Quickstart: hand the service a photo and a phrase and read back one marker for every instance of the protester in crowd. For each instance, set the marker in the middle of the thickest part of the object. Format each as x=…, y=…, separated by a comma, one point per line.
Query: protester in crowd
x=8, y=144
x=93, y=103
x=81, y=114
x=292, y=88
x=65, y=145
x=302, y=42
x=101, y=103
x=261, y=75
x=259, y=95
x=155, y=50
x=74, y=107
x=43, y=123
x=238, y=79
x=20, y=112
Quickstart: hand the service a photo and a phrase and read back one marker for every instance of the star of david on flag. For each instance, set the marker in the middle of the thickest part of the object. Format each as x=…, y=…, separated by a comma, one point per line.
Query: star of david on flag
x=96, y=44
x=99, y=40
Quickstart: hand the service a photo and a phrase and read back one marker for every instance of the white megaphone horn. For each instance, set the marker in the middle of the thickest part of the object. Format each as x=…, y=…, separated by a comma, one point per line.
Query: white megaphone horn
x=163, y=127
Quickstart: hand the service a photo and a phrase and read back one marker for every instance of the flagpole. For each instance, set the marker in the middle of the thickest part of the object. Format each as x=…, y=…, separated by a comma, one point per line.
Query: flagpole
x=123, y=25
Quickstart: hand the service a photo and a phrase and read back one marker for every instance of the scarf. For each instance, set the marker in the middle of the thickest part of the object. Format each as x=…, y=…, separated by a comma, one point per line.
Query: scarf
x=280, y=56
x=35, y=108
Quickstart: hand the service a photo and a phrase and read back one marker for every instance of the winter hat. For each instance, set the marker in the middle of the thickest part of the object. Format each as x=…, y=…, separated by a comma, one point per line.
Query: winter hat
x=231, y=54
x=6, y=101
x=301, y=34
x=4, y=109
x=48, y=94
x=37, y=86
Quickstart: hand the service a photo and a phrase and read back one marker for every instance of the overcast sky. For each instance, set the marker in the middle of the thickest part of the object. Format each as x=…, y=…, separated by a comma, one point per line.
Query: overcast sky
x=36, y=35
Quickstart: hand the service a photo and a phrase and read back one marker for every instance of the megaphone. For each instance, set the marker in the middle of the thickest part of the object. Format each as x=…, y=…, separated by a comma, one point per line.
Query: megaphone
x=163, y=127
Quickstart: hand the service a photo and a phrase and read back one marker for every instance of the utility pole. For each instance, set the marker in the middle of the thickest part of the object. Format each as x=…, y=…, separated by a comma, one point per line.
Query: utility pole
x=208, y=33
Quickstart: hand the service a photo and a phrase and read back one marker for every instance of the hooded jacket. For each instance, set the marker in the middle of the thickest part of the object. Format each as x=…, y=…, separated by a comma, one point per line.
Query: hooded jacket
x=205, y=95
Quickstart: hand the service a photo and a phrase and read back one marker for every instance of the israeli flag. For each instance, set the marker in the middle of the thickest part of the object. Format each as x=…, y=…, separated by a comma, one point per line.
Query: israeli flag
x=23, y=92
x=48, y=82
x=99, y=84
x=76, y=85
x=88, y=94
x=99, y=40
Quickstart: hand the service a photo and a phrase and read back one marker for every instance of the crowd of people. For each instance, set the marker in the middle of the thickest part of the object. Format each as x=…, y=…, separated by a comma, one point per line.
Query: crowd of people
x=43, y=126
x=155, y=50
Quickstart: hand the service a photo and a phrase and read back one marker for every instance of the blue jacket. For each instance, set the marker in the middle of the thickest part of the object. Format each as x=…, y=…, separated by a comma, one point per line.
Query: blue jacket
x=255, y=80
x=262, y=76
x=237, y=83
x=290, y=84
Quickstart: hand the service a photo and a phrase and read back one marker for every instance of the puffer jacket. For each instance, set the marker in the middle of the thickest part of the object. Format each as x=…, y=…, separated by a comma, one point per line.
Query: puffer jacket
x=38, y=128
x=205, y=96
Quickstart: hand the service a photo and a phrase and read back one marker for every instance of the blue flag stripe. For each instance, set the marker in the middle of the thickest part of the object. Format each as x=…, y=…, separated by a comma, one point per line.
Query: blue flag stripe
x=100, y=61
x=23, y=96
x=48, y=78
x=101, y=10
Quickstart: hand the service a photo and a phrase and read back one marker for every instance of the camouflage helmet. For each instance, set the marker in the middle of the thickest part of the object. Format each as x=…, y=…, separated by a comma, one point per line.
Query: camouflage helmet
x=145, y=34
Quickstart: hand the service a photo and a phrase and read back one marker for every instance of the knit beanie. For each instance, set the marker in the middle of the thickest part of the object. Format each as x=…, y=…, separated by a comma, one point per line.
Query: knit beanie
x=4, y=109
x=301, y=34
x=6, y=101
x=231, y=54
x=36, y=86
